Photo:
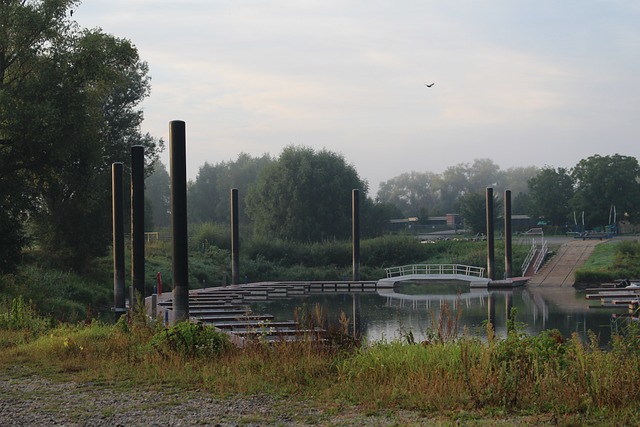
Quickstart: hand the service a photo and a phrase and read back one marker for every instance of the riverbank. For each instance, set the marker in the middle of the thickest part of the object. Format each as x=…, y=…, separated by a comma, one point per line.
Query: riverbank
x=136, y=373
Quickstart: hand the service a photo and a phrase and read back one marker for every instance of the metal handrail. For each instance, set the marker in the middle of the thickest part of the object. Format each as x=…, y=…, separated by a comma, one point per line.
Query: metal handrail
x=541, y=256
x=527, y=260
x=435, y=269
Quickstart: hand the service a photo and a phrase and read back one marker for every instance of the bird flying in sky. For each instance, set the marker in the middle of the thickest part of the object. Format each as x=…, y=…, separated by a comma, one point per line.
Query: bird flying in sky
x=429, y=85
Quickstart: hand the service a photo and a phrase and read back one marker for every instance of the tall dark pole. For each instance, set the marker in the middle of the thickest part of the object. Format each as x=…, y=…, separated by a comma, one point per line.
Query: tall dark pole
x=137, y=226
x=235, y=239
x=355, y=232
x=117, y=215
x=508, y=255
x=490, y=236
x=180, y=269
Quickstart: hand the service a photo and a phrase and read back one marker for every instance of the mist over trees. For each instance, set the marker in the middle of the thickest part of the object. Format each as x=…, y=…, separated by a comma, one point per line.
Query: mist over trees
x=304, y=195
x=209, y=194
x=423, y=194
x=69, y=108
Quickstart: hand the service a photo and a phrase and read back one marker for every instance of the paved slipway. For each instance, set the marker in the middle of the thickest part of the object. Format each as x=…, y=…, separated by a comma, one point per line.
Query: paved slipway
x=560, y=270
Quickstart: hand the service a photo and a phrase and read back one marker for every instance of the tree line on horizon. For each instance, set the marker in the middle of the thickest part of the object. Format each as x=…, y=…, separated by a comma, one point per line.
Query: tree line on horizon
x=291, y=189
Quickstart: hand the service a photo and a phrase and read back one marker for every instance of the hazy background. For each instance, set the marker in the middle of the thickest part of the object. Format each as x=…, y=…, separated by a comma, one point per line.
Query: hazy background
x=522, y=83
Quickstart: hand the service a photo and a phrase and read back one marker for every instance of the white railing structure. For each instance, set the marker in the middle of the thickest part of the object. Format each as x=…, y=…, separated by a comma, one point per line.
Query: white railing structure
x=435, y=270
x=538, y=250
x=541, y=256
x=527, y=260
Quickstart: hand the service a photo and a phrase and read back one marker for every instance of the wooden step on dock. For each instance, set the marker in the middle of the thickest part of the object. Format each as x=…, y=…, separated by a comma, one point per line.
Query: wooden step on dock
x=614, y=298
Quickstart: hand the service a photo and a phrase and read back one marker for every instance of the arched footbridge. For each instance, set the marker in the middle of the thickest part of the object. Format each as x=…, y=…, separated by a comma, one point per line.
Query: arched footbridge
x=468, y=273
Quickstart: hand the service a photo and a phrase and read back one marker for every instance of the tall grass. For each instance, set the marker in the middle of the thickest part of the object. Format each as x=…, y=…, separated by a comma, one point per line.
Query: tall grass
x=546, y=373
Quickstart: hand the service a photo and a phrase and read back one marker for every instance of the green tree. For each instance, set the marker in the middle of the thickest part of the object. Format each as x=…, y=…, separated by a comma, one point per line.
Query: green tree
x=68, y=109
x=26, y=32
x=412, y=193
x=551, y=191
x=485, y=173
x=209, y=194
x=606, y=181
x=305, y=196
x=452, y=184
x=473, y=208
x=158, y=193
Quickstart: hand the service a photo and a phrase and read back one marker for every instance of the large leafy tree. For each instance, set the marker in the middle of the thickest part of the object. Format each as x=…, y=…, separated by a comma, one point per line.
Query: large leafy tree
x=606, y=181
x=305, y=196
x=68, y=109
x=412, y=193
x=473, y=207
x=551, y=191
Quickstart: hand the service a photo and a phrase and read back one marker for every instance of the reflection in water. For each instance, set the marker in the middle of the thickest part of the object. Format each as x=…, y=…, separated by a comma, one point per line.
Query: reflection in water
x=390, y=314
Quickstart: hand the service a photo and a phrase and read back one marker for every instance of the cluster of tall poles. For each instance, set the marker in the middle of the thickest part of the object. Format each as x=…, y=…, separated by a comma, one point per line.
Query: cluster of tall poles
x=180, y=263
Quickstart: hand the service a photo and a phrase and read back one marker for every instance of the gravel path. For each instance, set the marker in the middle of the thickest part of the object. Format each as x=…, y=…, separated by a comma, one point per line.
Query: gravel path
x=30, y=400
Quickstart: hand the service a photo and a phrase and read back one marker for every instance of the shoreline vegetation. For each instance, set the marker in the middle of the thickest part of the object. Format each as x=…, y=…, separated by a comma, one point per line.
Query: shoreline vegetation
x=547, y=378
x=449, y=376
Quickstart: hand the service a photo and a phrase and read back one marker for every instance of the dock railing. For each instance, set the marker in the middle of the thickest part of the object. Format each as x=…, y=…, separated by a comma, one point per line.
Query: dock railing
x=435, y=269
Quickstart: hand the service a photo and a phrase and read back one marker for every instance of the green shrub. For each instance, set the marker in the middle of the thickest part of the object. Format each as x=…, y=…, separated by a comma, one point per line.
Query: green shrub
x=18, y=314
x=190, y=340
x=203, y=236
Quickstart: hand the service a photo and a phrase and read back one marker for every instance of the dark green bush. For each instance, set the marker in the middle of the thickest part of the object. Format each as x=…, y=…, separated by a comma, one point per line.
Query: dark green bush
x=190, y=340
x=203, y=236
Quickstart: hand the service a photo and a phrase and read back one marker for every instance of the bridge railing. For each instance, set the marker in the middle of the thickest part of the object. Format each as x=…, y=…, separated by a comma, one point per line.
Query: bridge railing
x=453, y=269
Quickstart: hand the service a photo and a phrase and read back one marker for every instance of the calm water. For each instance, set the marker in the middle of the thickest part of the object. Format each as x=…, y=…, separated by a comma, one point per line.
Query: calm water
x=414, y=306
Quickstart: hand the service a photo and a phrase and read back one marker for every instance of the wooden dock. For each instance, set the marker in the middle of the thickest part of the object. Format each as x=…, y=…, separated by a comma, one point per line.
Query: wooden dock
x=227, y=308
x=615, y=298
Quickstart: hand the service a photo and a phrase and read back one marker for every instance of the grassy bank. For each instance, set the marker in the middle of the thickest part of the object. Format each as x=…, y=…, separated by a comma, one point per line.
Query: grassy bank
x=493, y=377
x=611, y=260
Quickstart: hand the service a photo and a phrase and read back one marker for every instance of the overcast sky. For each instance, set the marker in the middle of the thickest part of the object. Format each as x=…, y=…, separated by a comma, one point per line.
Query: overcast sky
x=531, y=82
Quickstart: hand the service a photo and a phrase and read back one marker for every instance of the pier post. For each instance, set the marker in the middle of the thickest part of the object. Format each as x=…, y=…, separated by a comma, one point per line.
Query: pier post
x=356, y=315
x=355, y=232
x=180, y=268
x=490, y=237
x=117, y=215
x=508, y=255
x=137, y=227
x=491, y=309
x=235, y=239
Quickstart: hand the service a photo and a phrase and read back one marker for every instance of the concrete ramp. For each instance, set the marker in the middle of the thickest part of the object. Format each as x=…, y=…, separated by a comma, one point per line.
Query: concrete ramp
x=559, y=271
